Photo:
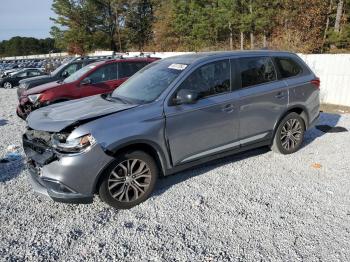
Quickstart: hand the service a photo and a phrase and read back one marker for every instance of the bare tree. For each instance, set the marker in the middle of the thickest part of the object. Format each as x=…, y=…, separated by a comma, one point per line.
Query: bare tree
x=338, y=16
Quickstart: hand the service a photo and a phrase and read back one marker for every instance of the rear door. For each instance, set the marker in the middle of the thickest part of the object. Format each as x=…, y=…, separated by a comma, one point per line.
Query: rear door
x=103, y=80
x=263, y=98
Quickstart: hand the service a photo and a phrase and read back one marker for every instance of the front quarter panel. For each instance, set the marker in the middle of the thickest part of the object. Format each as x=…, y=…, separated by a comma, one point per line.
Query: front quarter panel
x=142, y=124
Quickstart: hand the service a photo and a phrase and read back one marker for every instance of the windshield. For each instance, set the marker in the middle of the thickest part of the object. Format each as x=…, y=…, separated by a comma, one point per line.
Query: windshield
x=58, y=69
x=75, y=76
x=148, y=83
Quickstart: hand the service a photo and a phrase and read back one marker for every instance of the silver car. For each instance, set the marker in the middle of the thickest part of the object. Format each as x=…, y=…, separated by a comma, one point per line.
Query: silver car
x=173, y=114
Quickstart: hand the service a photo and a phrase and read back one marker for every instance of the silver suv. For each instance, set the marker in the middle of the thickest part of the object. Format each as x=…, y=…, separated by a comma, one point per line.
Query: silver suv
x=173, y=114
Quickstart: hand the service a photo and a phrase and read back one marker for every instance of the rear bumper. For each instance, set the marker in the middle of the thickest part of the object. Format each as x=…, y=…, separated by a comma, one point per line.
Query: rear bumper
x=314, y=121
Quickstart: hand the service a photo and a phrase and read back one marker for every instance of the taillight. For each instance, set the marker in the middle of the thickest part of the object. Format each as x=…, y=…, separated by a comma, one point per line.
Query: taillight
x=316, y=82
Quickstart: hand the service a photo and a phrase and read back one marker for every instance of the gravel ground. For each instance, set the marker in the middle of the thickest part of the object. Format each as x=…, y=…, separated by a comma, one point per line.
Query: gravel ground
x=253, y=206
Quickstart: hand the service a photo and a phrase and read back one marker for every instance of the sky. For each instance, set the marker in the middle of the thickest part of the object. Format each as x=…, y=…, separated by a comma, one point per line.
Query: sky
x=25, y=18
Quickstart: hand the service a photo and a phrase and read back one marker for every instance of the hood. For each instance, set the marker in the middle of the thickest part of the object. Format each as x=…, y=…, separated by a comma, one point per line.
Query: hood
x=42, y=88
x=57, y=117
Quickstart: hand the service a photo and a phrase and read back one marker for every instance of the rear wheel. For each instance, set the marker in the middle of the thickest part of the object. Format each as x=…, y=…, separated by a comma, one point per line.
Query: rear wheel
x=289, y=135
x=129, y=181
x=8, y=85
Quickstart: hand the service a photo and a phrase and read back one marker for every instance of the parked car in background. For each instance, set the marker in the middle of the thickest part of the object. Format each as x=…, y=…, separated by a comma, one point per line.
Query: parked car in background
x=59, y=74
x=8, y=71
x=174, y=114
x=96, y=78
x=12, y=79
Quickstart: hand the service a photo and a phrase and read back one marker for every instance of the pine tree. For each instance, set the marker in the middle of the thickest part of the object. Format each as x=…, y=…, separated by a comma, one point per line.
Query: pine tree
x=139, y=21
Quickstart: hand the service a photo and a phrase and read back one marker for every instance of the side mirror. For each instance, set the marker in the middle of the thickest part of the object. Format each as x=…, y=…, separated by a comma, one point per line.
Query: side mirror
x=186, y=96
x=86, y=81
x=65, y=74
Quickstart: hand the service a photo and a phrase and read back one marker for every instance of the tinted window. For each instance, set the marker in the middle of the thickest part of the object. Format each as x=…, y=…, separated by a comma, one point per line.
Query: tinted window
x=256, y=70
x=24, y=74
x=104, y=73
x=127, y=69
x=287, y=67
x=33, y=73
x=210, y=79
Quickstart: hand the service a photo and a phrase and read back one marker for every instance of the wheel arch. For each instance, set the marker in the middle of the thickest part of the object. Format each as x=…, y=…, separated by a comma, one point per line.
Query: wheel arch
x=146, y=146
x=300, y=110
x=8, y=81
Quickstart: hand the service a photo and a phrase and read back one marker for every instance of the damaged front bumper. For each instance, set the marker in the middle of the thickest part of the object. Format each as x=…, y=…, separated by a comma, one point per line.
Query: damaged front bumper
x=24, y=108
x=64, y=178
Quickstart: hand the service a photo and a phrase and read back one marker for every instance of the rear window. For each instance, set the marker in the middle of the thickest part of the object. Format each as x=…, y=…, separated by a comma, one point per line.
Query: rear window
x=256, y=71
x=288, y=67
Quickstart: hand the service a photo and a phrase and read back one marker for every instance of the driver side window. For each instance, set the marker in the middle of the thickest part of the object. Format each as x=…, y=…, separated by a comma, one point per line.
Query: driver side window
x=210, y=79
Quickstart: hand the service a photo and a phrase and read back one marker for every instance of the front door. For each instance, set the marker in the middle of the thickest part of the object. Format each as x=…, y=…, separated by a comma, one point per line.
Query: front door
x=103, y=80
x=211, y=124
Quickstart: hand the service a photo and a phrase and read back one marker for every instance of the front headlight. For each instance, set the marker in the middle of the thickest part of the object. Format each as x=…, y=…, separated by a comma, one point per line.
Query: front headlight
x=75, y=145
x=34, y=98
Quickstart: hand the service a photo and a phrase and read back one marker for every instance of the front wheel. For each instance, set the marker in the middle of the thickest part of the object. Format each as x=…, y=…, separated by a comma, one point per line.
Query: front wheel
x=7, y=85
x=129, y=180
x=289, y=134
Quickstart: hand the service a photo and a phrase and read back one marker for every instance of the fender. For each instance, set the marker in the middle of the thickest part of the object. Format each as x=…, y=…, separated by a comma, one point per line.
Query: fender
x=304, y=115
x=163, y=158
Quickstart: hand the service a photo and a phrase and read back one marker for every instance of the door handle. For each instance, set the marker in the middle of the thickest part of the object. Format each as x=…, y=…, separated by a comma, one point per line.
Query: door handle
x=228, y=108
x=280, y=95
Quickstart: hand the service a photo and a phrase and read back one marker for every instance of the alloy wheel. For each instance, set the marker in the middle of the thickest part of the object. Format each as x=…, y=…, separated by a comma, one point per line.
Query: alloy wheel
x=291, y=134
x=8, y=85
x=129, y=180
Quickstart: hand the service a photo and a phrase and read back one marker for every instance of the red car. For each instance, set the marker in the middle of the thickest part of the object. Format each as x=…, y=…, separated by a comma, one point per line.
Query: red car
x=96, y=78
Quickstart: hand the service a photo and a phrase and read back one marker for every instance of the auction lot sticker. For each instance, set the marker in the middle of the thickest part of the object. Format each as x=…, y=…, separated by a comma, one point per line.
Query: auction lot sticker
x=178, y=66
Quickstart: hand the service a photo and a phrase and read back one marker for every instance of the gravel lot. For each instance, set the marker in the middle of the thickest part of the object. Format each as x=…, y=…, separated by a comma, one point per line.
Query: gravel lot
x=253, y=206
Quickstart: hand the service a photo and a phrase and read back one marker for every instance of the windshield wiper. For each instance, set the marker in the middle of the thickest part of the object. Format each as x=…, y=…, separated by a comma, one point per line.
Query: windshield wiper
x=111, y=98
x=124, y=101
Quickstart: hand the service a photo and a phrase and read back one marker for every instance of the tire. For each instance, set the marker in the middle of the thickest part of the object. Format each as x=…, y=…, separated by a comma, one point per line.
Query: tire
x=8, y=85
x=289, y=135
x=121, y=188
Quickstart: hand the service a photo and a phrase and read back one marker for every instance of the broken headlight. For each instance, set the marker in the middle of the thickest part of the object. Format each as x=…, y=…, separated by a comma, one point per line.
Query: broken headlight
x=74, y=145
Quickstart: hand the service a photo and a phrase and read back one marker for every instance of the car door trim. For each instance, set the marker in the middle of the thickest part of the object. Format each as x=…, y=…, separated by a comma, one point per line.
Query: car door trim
x=225, y=147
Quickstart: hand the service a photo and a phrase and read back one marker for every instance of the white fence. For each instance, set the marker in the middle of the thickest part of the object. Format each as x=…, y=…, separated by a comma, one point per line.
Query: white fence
x=51, y=55
x=332, y=69
x=334, y=72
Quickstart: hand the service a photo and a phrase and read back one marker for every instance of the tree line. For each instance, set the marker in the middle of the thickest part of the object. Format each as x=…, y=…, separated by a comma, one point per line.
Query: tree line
x=81, y=26
x=307, y=26
x=20, y=46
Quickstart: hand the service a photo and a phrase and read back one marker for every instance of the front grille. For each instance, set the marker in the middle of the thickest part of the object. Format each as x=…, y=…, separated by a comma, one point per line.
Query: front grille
x=37, y=147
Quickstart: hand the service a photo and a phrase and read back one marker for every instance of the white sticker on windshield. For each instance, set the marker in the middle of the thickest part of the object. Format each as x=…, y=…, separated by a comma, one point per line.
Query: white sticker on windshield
x=177, y=66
